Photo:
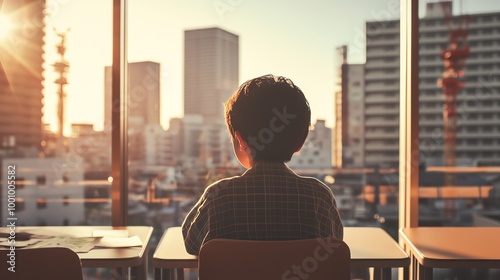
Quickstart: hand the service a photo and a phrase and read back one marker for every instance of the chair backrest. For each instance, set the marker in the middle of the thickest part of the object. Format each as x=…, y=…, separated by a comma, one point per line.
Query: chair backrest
x=41, y=263
x=312, y=259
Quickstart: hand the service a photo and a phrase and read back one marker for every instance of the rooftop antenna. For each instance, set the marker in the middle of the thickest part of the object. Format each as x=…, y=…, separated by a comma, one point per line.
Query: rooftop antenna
x=61, y=67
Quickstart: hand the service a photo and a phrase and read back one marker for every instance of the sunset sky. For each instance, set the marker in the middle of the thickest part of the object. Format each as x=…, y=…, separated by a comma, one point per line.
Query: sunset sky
x=293, y=38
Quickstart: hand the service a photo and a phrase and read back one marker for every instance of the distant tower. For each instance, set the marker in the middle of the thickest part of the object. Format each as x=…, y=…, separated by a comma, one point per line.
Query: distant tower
x=61, y=67
x=210, y=72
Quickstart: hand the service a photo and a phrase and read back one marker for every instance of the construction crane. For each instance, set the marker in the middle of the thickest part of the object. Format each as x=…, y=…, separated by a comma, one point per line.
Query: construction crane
x=453, y=56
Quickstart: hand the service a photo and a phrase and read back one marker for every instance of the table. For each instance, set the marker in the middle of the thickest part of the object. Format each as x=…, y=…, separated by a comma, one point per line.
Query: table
x=135, y=259
x=370, y=247
x=451, y=247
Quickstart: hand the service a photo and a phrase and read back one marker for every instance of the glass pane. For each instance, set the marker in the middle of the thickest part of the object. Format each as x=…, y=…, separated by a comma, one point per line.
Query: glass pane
x=459, y=113
x=48, y=47
x=186, y=59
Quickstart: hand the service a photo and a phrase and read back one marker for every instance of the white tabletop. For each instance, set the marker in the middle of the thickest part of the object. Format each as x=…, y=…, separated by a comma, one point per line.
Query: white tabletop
x=370, y=247
x=101, y=257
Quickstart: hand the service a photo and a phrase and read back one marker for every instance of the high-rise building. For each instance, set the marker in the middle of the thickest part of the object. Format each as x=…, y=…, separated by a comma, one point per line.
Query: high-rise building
x=210, y=72
x=92, y=146
x=21, y=80
x=143, y=92
x=208, y=144
x=478, y=102
x=349, y=113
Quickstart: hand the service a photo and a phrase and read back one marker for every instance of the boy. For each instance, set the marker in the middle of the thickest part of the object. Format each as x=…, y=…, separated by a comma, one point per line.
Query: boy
x=268, y=118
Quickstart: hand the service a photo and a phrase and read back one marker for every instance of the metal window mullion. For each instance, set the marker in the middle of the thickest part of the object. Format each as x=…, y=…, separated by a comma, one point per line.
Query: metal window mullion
x=409, y=91
x=119, y=167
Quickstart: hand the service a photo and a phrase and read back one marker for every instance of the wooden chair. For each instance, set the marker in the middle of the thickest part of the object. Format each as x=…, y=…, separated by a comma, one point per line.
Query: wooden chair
x=41, y=263
x=312, y=259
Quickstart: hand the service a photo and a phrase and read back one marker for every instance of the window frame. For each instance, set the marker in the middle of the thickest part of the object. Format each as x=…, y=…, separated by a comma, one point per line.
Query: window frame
x=119, y=151
x=409, y=131
x=409, y=120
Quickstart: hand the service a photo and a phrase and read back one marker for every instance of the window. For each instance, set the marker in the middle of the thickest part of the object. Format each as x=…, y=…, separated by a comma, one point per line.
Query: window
x=454, y=151
x=51, y=166
x=158, y=131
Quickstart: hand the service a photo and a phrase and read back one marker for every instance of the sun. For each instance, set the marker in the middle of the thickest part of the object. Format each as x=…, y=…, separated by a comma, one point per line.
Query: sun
x=5, y=27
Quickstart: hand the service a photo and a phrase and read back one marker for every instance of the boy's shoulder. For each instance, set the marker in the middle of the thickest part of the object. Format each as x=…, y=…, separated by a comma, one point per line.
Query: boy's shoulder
x=287, y=179
x=315, y=182
x=221, y=184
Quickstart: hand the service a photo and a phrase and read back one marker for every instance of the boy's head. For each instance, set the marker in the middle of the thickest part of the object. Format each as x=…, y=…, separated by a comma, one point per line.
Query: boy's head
x=271, y=116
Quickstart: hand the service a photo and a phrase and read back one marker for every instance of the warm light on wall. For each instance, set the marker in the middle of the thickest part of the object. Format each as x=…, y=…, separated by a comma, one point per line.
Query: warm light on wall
x=5, y=27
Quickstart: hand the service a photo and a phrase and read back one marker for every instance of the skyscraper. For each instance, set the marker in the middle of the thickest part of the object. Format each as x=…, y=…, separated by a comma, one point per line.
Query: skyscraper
x=211, y=72
x=349, y=113
x=21, y=80
x=143, y=92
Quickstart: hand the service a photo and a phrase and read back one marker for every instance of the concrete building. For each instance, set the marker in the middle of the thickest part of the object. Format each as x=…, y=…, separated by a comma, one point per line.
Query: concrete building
x=157, y=146
x=94, y=147
x=211, y=72
x=317, y=149
x=348, y=138
x=21, y=80
x=144, y=95
x=207, y=144
x=478, y=102
x=49, y=191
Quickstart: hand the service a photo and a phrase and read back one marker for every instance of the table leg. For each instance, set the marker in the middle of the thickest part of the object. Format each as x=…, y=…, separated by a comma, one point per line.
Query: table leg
x=120, y=273
x=425, y=273
x=163, y=274
x=142, y=271
x=157, y=274
x=413, y=268
x=377, y=273
x=406, y=273
x=386, y=273
x=139, y=272
x=180, y=274
x=382, y=273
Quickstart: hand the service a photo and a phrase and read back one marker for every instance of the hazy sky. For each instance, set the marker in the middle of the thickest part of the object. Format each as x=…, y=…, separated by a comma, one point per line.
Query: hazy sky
x=293, y=38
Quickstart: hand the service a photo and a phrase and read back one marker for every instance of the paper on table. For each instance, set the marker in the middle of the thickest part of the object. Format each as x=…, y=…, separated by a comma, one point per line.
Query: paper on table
x=78, y=245
x=110, y=233
x=18, y=244
x=116, y=242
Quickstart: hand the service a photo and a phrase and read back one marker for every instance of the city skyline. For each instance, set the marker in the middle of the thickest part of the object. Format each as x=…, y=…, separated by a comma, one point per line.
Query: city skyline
x=308, y=58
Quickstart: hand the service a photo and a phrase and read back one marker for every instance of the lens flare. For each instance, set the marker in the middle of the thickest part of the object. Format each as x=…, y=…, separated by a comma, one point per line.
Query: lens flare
x=5, y=27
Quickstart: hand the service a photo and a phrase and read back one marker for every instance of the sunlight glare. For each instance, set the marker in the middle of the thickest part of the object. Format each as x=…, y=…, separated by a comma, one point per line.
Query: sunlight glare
x=5, y=27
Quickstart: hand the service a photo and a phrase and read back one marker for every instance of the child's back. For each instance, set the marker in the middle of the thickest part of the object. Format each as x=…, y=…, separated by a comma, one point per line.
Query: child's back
x=268, y=119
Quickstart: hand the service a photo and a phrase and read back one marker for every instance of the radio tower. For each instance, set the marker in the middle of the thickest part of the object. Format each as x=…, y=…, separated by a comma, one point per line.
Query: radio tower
x=61, y=67
x=454, y=60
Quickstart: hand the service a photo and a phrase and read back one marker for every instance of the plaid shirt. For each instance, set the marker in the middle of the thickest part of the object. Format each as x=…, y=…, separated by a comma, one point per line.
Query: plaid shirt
x=268, y=202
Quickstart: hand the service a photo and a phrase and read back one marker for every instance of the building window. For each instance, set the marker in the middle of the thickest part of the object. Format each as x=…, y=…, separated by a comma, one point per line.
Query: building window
x=65, y=200
x=487, y=141
x=41, y=203
x=487, y=129
x=41, y=180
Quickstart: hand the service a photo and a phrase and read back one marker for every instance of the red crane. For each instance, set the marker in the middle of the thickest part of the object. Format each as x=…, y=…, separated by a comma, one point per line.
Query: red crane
x=454, y=57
